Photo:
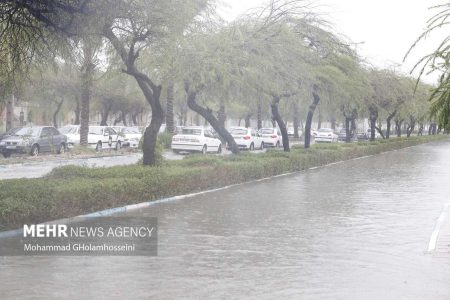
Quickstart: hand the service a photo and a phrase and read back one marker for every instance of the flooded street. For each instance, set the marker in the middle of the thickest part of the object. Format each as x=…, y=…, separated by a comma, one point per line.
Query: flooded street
x=353, y=230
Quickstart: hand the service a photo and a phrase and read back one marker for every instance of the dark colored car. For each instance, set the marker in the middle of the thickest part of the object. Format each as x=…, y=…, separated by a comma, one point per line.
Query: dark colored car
x=342, y=135
x=34, y=140
x=361, y=136
x=8, y=133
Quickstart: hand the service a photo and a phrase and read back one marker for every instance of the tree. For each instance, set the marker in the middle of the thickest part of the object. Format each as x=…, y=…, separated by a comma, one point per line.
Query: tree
x=137, y=26
x=437, y=61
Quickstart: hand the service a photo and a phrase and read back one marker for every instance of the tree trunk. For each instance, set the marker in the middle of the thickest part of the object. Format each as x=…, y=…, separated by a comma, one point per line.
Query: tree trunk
x=55, y=114
x=420, y=132
x=353, y=125
x=319, y=121
x=87, y=74
x=221, y=116
x=373, y=116
x=117, y=120
x=151, y=132
x=9, y=113
x=296, y=120
x=247, y=120
x=151, y=91
x=398, y=127
x=105, y=113
x=134, y=118
x=170, y=123
x=333, y=123
x=212, y=120
x=380, y=132
x=411, y=126
x=347, y=129
x=432, y=129
x=388, y=123
x=259, y=114
x=77, y=111
x=276, y=116
x=124, y=118
x=309, y=118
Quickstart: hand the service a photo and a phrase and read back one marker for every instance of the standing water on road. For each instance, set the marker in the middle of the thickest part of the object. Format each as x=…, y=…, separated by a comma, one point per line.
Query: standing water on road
x=354, y=230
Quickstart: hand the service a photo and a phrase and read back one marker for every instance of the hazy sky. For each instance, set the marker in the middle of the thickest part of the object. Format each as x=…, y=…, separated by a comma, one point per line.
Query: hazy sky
x=387, y=27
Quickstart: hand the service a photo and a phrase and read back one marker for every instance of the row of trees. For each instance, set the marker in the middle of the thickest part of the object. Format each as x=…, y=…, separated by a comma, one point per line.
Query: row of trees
x=282, y=60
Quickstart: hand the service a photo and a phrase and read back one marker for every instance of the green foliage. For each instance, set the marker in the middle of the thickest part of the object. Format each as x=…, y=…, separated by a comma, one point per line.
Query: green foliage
x=165, y=139
x=438, y=61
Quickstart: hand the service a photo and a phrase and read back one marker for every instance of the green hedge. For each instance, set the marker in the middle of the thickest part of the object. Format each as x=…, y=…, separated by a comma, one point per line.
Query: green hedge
x=72, y=190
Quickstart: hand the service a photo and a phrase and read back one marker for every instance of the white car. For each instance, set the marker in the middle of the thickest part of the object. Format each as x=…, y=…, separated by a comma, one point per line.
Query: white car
x=72, y=132
x=130, y=135
x=271, y=137
x=247, y=138
x=99, y=137
x=326, y=135
x=196, y=139
x=291, y=131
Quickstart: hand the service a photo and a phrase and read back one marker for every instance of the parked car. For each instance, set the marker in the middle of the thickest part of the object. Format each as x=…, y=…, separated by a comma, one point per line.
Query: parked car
x=291, y=131
x=130, y=135
x=377, y=134
x=99, y=137
x=326, y=135
x=271, y=137
x=313, y=132
x=72, y=132
x=247, y=138
x=34, y=140
x=361, y=136
x=196, y=139
x=9, y=133
x=178, y=129
x=342, y=135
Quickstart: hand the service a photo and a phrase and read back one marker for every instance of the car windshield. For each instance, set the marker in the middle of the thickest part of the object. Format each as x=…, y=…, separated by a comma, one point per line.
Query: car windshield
x=12, y=131
x=325, y=130
x=267, y=131
x=131, y=130
x=28, y=131
x=192, y=131
x=239, y=131
x=95, y=130
x=69, y=130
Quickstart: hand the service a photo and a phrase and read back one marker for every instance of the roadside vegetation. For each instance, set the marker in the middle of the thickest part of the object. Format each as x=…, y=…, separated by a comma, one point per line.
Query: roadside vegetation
x=71, y=190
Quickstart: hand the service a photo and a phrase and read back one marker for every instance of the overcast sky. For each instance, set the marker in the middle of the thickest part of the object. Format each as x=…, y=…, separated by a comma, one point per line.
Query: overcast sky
x=387, y=28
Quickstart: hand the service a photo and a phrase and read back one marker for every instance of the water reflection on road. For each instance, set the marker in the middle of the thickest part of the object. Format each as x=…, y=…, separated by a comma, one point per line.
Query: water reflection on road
x=354, y=230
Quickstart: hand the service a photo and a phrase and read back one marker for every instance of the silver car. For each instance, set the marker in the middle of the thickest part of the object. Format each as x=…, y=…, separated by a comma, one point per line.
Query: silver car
x=34, y=140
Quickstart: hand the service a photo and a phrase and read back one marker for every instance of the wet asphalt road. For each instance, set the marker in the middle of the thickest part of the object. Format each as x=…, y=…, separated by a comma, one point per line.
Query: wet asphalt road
x=353, y=230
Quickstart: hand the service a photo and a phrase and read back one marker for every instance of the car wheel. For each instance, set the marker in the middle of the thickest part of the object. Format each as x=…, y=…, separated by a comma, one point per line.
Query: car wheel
x=6, y=154
x=118, y=146
x=176, y=151
x=34, y=150
x=98, y=148
x=204, y=149
x=62, y=149
x=262, y=146
x=219, y=150
x=252, y=147
x=278, y=144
